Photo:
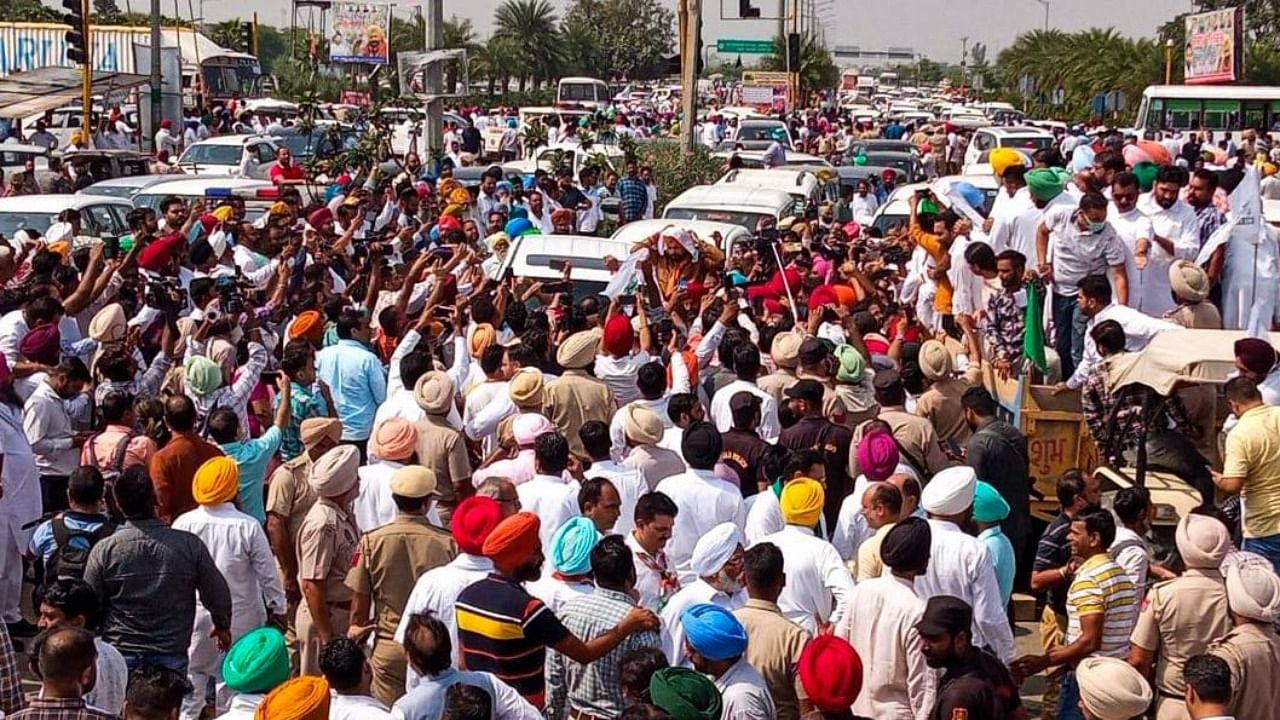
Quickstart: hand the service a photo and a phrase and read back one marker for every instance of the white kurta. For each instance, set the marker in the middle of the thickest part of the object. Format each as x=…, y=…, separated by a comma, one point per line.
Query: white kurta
x=553, y=500
x=554, y=593
x=703, y=501
x=1149, y=287
x=817, y=581
x=437, y=590
x=694, y=593
x=1250, y=278
x=897, y=683
x=960, y=566
x=20, y=505
x=769, y=428
x=744, y=694
x=1138, y=327
x=630, y=485
x=374, y=506
x=108, y=691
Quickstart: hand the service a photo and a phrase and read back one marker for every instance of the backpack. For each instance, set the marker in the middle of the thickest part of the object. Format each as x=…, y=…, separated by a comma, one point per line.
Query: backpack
x=116, y=467
x=67, y=560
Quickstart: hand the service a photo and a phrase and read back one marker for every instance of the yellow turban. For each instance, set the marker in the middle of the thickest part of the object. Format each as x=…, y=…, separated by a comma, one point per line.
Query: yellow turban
x=447, y=186
x=459, y=196
x=525, y=389
x=1268, y=169
x=482, y=338
x=802, y=501
x=302, y=698
x=278, y=208
x=454, y=210
x=217, y=481
x=223, y=213
x=1002, y=159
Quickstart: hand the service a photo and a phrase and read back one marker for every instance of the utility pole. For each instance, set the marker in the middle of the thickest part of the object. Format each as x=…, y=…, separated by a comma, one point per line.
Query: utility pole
x=434, y=78
x=156, y=80
x=964, y=61
x=793, y=69
x=690, y=12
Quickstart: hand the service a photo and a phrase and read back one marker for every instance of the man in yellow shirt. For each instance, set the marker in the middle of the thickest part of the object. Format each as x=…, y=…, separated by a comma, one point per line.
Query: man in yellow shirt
x=1252, y=467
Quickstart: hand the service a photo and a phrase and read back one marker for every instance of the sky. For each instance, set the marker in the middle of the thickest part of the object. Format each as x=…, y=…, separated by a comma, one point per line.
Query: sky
x=931, y=27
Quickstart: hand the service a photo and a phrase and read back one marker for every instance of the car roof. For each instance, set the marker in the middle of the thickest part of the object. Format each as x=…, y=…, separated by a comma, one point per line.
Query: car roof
x=230, y=140
x=634, y=232
x=586, y=253
x=198, y=185
x=136, y=181
x=24, y=148
x=1020, y=130
x=57, y=203
x=730, y=197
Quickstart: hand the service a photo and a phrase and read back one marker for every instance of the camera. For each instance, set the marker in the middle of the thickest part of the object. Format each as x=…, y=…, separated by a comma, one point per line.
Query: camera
x=229, y=297
x=110, y=247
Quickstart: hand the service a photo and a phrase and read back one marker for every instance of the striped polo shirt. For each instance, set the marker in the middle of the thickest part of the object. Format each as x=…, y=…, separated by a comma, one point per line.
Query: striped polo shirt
x=1102, y=586
x=506, y=631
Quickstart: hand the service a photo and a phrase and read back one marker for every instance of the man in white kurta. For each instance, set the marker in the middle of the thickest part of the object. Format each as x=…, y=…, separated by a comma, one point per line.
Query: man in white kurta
x=437, y=589
x=879, y=622
x=1146, y=262
x=717, y=561
x=238, y=545
x=1251, y=264
x=19, y=505
x=959, y=564
x=395, y=443
x=703, y=499
x=817, y=581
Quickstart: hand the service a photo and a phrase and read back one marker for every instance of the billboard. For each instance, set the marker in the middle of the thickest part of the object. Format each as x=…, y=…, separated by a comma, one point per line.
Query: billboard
x=1214, y=47
x=359, y=33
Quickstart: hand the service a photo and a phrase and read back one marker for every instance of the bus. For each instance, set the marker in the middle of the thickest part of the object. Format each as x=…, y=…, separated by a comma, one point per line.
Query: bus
x=1224, y=110
x=583, y=92
x=888, y=81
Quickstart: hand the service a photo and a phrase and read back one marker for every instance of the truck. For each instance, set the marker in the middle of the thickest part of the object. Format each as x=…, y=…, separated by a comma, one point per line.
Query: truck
x=206, y=67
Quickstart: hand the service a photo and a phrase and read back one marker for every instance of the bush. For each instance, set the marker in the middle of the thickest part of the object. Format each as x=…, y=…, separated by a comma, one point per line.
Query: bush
x=674, y=171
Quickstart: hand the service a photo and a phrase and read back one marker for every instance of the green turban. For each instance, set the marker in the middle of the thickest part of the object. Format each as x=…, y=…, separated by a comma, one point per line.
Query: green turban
x=1047, y=183
x=685, y=694
x=203, y=375
x=1146, y=173
x=257, y=662
x=852, y=365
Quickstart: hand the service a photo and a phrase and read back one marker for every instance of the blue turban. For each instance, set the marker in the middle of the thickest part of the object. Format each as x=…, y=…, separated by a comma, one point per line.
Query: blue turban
x=530, y=182
x=512, y=123
x=572, y=544
x=503, y=185
x=713, y=631
x=434, y=234
x=971, y=194
x=518, y=211
x=988, y=505
x=517, y=227
x=1082, y=158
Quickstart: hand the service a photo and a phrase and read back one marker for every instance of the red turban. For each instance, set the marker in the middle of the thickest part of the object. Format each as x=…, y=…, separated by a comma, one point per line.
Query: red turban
x=823, y=295
x=449, y=222
x=1256, y=355
x=618, y=335
x=166, y=123
x=319, y=217
x=42, y=345
x=209, y=221
x=473, y=520
x=513, y=541
x=156, y=255
x=773, y=307
x=695, y=291
x=831, y=673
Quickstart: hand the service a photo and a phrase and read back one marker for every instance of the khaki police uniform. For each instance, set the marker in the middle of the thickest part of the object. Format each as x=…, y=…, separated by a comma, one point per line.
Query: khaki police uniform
x=327, y=541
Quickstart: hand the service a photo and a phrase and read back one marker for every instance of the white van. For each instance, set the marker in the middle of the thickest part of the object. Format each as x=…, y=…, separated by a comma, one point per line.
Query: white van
x=735, y=205
x=802, y=185
x=584, y=91
x=641, y=230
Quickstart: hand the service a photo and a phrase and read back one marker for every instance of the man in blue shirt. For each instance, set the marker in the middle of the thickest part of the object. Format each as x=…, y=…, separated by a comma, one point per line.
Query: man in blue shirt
x=355, y=378
x=84, y=495
x=252, y=456
x=309, y=395
x=633, y=193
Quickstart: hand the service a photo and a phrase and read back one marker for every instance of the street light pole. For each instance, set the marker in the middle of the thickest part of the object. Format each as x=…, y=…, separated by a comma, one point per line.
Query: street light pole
x=1045, y=3
x=1168, y=61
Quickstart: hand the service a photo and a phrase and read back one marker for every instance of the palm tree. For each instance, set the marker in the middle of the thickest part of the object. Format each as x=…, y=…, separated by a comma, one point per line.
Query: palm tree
x=533, y=26
x=492, y=62
x=817, y=70
x=228, y=34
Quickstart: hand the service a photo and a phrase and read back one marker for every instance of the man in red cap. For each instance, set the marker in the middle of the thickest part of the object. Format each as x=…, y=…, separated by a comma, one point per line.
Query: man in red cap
x=617, y=364
x=504, y=630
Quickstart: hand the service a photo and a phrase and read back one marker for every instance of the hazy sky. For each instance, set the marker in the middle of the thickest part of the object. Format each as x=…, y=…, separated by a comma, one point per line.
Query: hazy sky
x=932, y=27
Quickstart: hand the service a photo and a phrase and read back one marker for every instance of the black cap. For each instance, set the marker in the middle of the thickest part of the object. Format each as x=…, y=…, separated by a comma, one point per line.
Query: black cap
x=743, y=400
x=945, y=615
x=808, y=390
x=812, y=351
x=886, y=379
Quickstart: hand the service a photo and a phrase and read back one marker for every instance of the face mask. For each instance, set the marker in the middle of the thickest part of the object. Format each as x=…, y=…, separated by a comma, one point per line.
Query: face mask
x=1096, y=227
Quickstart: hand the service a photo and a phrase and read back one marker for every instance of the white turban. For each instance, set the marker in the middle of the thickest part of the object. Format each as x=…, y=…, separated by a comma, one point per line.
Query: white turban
x=57, y=231
x=1111, y=688
x=1253, y=592
x=218, y=242
x=682, y=236
x=715, y=548
x=950, y=492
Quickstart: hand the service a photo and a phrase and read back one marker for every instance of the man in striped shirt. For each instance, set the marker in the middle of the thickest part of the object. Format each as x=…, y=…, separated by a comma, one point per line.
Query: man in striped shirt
x=1102, y=607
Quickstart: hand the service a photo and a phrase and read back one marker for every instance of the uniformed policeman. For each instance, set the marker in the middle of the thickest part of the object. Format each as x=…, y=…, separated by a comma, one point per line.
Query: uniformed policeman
x=441, y=448
x=327, y=541
x=389, y=561
x=976, y=685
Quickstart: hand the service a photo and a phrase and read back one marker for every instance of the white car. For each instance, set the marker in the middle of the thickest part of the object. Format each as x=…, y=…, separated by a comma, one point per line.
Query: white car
x=745, y=206
x=250, y=156
x=258, y=195
x=531, y=256
x=641, y=230
x=571, y=153
x=1025, y=138
x=897, y=208
x=99, y=215
x=802, y=185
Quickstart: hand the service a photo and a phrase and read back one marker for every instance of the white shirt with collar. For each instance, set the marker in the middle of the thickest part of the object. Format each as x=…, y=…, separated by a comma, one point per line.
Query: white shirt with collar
x=1149, y=287
x=437, y=590
x=897, y=683
x=960, y=566
x=243, y=706
x=648, y=581
x=620, y=374
x=704, y=501
x=629, y=483
x=374, y=506
x=49, y=429
x=817, y=581
x=551, y=499
x=1177, y=224
x=744, y=694
x=698, y=591
x=1138, y=327
x=769, y=428
x=554, y=592
x=356, y=707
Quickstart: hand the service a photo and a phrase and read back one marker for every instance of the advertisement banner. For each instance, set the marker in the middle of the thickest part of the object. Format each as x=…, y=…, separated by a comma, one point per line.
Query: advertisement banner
x=1214, y=47
x=359, y=33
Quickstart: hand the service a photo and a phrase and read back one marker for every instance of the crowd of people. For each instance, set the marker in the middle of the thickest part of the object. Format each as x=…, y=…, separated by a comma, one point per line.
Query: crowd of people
x=330, y=462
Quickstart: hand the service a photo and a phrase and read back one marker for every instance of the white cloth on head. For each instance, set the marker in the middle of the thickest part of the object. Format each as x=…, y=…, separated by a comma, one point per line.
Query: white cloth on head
x=950, y=492
x=715, y=548
x=703, y=501
x=1253, y=592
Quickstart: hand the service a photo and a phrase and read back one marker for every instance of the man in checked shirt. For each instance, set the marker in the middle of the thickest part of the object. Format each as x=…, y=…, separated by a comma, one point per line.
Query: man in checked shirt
x=1005, y=320
x=586, y=692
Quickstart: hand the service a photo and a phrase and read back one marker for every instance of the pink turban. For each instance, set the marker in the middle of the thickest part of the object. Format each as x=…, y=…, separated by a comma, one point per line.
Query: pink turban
x=877, y=455
x=527, y=427
x=395, y=439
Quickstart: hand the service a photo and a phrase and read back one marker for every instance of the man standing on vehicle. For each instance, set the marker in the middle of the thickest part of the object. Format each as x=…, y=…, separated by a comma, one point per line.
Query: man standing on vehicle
x=285, y=172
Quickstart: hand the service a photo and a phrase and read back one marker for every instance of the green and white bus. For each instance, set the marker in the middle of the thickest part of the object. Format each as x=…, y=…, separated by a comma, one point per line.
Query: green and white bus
x=1223, y=109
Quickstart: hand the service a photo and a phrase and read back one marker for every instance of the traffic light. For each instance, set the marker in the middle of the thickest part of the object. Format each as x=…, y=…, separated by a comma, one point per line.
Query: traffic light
x=699, y=64
x=246, y=32
x=78, y=36
x=793, y=52
x=747, y=10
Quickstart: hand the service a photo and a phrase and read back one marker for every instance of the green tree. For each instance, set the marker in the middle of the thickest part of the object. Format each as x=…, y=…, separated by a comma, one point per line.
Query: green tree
x=531, y=25
x=626, y=37
x=491, y=62
x=228, y=34
x=817, y=69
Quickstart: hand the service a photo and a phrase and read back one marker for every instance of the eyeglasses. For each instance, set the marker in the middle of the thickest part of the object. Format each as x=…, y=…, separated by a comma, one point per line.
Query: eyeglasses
x=515, y=499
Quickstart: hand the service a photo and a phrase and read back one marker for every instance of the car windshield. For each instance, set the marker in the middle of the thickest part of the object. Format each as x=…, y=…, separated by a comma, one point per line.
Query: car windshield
x=893, y=160
x=120, y=191
x=757, y=131
x=211, y=154
x=17, y=159
x=745, y=219
x=1034, y=142
x=320, y=143
x=12, y=222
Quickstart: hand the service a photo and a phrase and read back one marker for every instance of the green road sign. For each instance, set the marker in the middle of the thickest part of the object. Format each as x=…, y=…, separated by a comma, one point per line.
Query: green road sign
x=758, y=47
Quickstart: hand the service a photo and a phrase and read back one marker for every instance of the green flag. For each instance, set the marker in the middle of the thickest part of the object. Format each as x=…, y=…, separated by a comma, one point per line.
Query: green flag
x=1033, y=327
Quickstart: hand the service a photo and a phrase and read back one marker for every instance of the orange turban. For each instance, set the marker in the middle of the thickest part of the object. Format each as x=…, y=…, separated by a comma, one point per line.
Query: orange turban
x=217, y=481
x=459, y=196
x=395, y=439
x=481, y=338
x=513, y=541
x=302, y=698
x=306, y=324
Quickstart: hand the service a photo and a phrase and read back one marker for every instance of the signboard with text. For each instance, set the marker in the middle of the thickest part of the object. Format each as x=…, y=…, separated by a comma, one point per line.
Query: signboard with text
x=745, y=47
x=1213, y=51
x=359, y=33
